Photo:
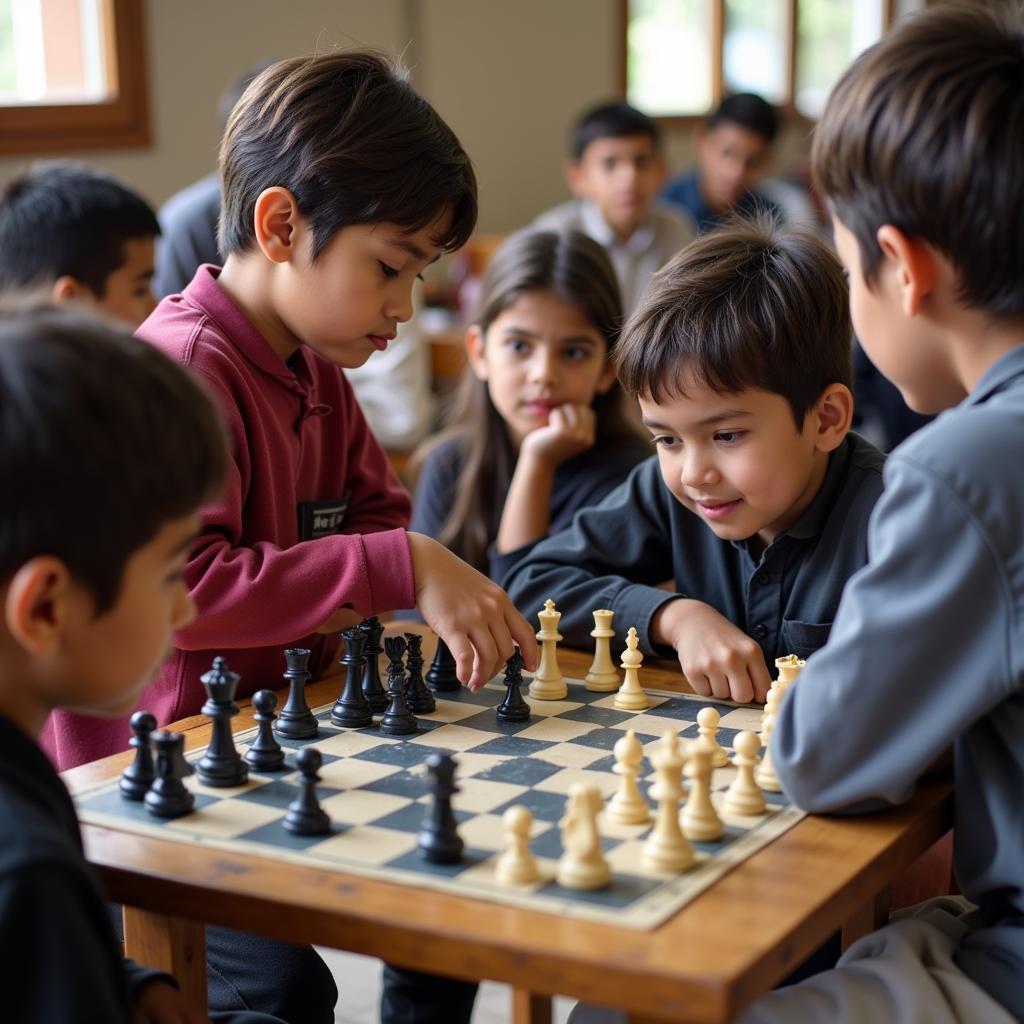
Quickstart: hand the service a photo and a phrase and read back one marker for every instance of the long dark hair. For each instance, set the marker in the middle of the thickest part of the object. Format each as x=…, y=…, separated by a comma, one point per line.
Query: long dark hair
x=575, y=268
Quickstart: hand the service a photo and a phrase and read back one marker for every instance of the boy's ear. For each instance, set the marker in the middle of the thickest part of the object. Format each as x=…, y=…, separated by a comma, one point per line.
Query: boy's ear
x=475, y=352
x=575, y=178
x=914, y=263
x=276, y=222
x=831, y=416
x=69, y=289
x=36, y=604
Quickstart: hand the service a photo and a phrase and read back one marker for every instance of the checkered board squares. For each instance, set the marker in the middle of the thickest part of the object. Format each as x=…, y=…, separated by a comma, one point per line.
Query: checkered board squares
x=373, y=790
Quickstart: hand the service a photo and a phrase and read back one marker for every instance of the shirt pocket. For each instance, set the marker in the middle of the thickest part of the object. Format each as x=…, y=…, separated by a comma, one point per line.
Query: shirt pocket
x=804, y=638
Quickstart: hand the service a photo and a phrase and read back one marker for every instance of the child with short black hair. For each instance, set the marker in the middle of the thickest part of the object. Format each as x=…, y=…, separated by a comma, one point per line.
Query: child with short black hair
x=757, y=504
x=89, y=603
x=78, y=234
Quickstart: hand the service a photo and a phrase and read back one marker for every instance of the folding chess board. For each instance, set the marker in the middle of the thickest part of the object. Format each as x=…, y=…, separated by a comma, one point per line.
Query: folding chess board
x=374, y=791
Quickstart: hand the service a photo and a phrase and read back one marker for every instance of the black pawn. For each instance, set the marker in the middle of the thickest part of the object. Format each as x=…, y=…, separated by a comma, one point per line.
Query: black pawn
x=441, y=674
x=139, y=775
x=221, y=765
x=397, y=720
x=265, y=753
x=513, y=708
x=305, y=816
x=373, y=690
x=417, y=697
x=439, y=842
x=296, y=721
x=168, y=797
x=350, y=709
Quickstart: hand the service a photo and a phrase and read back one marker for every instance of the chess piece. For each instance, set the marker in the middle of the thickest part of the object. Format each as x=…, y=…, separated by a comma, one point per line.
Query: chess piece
x=167, y=796
x=439, y=842
x=789, y=666
x=139, y=775
x=296, y=721
x=627, y=806
x=582, y=865
x=265, y=753
x=221, y=766
x=666, y=848
x=397, y=720
x=418, y=698
x=441, y=674
x=373, y=690
x=744, y=796
x=305, y=816
x=513, y=708
x=548, y=683
x=631, y=696
x=707, y=725
x=601, y=676
x=700, y=821
x=350, y=710
x=517, y=866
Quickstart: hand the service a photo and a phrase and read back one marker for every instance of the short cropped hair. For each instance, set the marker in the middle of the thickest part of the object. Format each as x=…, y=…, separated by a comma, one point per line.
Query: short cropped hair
x=749, y=111
x=63, y=218
x=611, y=121
x=352, y=142
x=750, y=305
x=925, y=131
x=103, y=440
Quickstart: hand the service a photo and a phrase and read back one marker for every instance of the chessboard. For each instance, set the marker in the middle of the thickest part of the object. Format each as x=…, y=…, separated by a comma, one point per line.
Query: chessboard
x=374, y=790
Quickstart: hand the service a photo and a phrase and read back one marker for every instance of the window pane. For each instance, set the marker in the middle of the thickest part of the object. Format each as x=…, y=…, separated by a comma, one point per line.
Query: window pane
x=668, y=60
x=756, y=48
x=830, y=34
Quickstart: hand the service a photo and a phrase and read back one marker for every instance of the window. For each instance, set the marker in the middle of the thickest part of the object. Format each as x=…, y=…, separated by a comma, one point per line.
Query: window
x=72, y=75
x=682, y=56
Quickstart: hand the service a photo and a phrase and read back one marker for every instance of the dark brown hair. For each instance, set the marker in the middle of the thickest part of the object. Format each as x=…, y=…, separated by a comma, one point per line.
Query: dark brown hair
x=750, y=305
x=925, y=131
x=354, y=144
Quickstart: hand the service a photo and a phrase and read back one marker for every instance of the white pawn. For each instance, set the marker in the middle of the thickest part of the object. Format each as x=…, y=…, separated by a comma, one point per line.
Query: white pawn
x=631, y=696
x=548, y=683
x=700, y=820
x=627, y=806
x=707, y=722
x=744, y=796
x=582, y=865
x=602, y=677
x=666, y=848
x=517, y=866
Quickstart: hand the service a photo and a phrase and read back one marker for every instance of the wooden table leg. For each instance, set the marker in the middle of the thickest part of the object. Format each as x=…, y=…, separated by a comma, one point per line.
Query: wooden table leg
x=172, y=944
x=868, y=918
x=530, y=1008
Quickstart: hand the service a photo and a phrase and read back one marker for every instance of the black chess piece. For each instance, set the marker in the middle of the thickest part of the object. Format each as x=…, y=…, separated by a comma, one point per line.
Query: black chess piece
x=296, y=721
x=514, y=708
x=397, y=720
x=167, y=796
x=351, y=710
x=439, y=842
x=305, y=816
x=418, y=698
x=221, y=765
x=265, y=753
x=139, y=775
x=373, y=689
x=441, y=674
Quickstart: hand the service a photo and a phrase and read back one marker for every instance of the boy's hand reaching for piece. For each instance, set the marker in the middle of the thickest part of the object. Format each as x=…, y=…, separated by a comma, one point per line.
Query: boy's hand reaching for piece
x=473, y=616
x=716, y=657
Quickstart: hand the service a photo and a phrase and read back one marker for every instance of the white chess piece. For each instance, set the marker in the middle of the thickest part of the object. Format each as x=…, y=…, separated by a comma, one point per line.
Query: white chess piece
x=631, y=696
x=789, y=668
x=548, y=683
x=582, y=865
x=707, y=723
x=744, y=796
x=700, y=820
x=666, y=848
x=517, y=866
x=602, y=677
x=627, y=806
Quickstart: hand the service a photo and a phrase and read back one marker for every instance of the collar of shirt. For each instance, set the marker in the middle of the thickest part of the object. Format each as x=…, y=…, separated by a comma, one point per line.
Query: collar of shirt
x=1001, y=373
x=597, y=227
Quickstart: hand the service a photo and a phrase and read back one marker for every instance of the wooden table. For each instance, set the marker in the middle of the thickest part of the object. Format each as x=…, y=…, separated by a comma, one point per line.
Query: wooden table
x=703, y=965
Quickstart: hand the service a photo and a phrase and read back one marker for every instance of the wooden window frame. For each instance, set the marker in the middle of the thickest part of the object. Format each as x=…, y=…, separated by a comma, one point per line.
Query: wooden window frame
x=118, y=123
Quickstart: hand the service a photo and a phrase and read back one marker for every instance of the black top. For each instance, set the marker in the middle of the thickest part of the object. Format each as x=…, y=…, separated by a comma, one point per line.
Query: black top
x=615, y=555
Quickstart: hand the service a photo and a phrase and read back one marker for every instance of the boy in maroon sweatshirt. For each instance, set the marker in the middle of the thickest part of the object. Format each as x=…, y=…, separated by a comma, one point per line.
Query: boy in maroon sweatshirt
x=340, y=185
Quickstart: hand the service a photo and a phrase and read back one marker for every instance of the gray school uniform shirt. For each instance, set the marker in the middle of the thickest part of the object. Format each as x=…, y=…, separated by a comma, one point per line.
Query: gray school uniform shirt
x=615, y=554
x=927, y=651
